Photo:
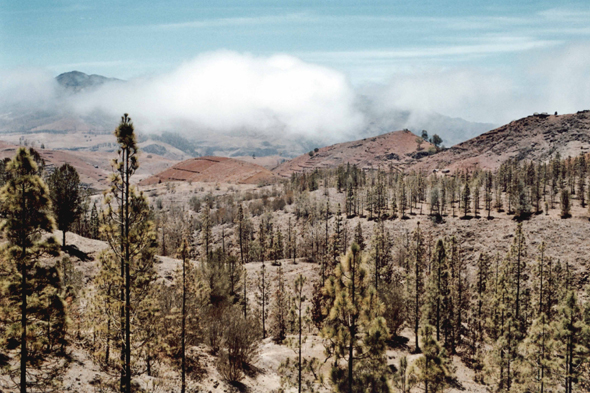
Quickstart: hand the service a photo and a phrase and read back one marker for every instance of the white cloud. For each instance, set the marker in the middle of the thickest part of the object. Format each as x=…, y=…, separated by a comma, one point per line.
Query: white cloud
x=226, y=91
x=551, y=80
x=29, y=87
x=562, y=81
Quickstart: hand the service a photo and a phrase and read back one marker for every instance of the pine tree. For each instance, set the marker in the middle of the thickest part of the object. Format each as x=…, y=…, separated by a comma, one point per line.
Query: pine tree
x=262, y=297
x=565, y=204
x=437, y=302
x=339, y=232
x=488, y=185
x=415, y=282
x=279, y=310
x=94, y=222
x=298, y=302
x=537, y=366
x=206, y=236
x=511, y=322
x=502, y=356
x=459, y=298
x=380, y=253
x=241, y=240
x=482, y=289
x=302, y=373
x=356, y=329
x=476, y=196
x=402, y=197
x=582, y=190
x=278, y=247
x=466, y=198
x=104, y=311
x=432, y=367
x=522, y=205
x=572, y=335
x=400, y=377
x=64, y=186
x=358, y=236
x=183, y=253
x=517, y=258
x=130, y=234
x=34, y=313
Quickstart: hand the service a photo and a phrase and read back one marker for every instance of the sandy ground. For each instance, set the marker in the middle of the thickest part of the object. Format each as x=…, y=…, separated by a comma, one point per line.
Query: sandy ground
x=566, y=240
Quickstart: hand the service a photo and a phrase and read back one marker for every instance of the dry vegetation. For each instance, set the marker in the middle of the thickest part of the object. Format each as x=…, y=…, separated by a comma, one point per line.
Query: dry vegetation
x=434, y=249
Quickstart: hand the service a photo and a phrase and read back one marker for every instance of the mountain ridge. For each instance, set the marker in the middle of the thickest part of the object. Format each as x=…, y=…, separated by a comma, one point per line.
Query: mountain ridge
x=77, y=81
x=537, y=137
x=394, y=149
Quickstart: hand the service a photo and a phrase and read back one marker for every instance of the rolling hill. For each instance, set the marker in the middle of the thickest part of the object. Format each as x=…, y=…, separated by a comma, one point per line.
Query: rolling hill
x=397, y=149
x=212, y=169
x=537, y=137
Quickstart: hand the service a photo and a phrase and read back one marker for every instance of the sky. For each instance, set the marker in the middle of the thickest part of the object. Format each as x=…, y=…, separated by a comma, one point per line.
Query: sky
x=486, y=61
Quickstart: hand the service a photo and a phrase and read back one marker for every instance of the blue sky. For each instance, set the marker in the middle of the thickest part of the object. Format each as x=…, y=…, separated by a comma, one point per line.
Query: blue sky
x=480, y=60
x=366, y=40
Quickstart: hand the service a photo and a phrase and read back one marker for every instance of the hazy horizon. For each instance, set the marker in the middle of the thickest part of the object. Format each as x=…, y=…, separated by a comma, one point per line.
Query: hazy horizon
x=302, y=67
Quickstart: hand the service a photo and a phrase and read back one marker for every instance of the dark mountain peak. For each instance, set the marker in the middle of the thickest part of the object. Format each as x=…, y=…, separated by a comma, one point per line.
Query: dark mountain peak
x=78, y=81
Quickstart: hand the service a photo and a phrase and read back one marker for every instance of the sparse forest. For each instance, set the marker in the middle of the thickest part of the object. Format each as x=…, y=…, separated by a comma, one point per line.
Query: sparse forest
x=362, y=281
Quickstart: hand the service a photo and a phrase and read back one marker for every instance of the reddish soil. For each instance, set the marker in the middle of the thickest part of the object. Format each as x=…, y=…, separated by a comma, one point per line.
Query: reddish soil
x=96, y=177
x=536, y=137
x=397, y=149
x=212, y=169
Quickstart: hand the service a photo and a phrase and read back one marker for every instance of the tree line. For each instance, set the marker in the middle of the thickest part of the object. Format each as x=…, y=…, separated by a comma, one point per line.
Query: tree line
x=519, y=320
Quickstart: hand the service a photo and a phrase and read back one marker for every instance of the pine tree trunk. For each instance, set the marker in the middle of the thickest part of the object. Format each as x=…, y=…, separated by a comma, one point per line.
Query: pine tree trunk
x=416, y=301
x=245, y=297
x=353, y=324
x=263, y=303
x=127, y=283
x=23, y=347
x=183, y=387
x=122, y=294
x=108, y=349
x=300, y=327
x=23, y=321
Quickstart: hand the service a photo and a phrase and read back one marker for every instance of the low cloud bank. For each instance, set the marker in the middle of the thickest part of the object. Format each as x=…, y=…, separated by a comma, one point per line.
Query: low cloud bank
x=227, y=92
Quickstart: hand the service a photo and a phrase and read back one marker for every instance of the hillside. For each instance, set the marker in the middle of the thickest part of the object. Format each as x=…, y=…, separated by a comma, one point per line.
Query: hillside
x=397, y=149
x=212, y=169
x=76, y=81
x=93, y=167
x=536, y=137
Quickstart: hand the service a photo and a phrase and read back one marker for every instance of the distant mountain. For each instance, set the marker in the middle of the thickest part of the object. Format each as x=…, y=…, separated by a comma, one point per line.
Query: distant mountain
x=452, y=130
x=396, y=149
x=537, y=137
x=77, y=81
x=58, y=116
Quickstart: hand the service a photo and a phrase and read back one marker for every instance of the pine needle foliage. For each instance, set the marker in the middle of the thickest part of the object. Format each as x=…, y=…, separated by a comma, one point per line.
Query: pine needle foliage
x=33, y=314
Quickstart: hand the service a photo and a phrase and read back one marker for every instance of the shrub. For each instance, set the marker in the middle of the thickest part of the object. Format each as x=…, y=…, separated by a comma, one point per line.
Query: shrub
x=195, y=204
x=565, y=204
x=239, y=348
x=278, y=204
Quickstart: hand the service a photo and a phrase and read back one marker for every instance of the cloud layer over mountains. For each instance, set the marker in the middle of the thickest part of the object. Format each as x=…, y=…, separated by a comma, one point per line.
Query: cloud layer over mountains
x=226, y=92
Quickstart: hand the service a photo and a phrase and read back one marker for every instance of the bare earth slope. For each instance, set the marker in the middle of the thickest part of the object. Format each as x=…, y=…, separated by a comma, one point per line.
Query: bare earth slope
x=398, y=148
x=535, y=137
x=94, y=167
x=212, y=169
x=89, y=174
